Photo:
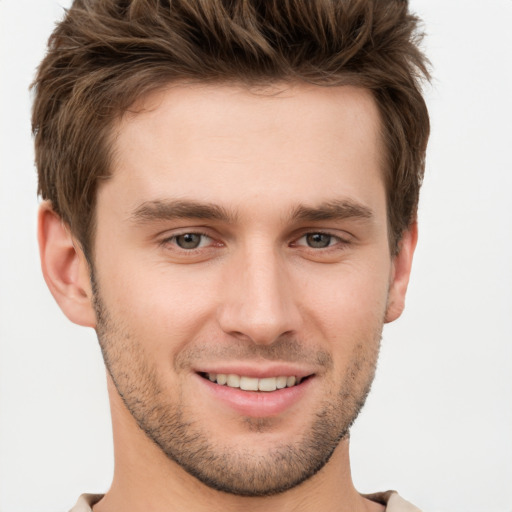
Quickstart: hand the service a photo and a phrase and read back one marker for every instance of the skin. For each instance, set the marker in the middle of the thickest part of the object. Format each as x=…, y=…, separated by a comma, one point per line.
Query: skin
x=274, y=167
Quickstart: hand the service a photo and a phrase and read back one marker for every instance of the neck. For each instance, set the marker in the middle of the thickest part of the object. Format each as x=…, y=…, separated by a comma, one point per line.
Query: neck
x=146, y=479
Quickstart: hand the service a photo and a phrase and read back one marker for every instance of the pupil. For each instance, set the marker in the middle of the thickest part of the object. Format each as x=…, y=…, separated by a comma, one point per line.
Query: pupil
x=318, y=240
x=188, y=240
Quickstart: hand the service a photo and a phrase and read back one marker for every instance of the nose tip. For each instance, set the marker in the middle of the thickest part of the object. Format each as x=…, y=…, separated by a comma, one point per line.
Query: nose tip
x=259, y=305
x=260, y=331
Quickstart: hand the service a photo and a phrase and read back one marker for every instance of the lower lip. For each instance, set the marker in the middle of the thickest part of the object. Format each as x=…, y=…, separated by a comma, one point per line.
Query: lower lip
x=257, y=404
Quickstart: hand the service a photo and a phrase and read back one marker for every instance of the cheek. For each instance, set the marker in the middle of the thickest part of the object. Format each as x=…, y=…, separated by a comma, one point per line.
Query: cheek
x=158, y=305
x=346, y=305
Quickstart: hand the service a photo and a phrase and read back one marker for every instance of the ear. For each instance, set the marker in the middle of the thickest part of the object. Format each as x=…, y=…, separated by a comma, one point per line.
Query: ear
x=65, y=268
x=400, y=272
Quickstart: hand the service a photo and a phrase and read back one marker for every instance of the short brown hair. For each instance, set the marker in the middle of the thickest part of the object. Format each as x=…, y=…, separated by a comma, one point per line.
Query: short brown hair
x=106, y=54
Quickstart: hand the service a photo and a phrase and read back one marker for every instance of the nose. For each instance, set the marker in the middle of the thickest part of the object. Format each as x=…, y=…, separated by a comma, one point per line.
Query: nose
x=258, y=302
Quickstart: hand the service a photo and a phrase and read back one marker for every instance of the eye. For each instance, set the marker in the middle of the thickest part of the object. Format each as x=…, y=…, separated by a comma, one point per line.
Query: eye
x=189, y=241
x=318, y=240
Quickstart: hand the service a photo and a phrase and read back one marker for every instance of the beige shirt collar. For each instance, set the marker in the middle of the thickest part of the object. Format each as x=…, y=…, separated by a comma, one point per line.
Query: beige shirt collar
x=393, y=502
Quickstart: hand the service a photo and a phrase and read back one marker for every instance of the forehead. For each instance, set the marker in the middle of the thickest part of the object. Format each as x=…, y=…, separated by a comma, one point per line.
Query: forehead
x=294, y=144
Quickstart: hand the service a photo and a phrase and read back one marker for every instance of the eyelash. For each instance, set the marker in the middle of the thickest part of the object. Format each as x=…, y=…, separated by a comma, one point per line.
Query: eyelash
x=172, y=240
x=338, y=241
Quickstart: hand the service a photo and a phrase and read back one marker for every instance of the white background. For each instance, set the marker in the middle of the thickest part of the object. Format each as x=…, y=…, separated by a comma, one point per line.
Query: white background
x=438, y=425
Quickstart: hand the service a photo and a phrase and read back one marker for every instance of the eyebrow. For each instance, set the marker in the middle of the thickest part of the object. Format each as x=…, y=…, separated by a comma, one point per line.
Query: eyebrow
x=332, y=210
x=151, y=211
x=162, y=210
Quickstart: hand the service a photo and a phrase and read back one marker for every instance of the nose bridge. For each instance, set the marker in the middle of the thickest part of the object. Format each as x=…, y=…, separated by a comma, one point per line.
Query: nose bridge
x=258, y=304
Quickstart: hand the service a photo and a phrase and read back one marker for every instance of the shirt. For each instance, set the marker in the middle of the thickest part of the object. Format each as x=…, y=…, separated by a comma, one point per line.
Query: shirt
x=393, y=502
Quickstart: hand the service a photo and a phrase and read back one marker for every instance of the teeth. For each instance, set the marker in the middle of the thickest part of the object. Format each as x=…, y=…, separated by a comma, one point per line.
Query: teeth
x=268, y=384
x=233, y=381
x=281, y=382
x=290, y=381
x=252, y=383
x=248, y=384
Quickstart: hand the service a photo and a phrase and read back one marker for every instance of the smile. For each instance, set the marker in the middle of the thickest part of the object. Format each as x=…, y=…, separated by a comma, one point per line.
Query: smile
x=245, y=383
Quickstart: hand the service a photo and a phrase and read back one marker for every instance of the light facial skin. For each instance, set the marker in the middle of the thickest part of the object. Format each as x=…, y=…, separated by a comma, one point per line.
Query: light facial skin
x=241, y=242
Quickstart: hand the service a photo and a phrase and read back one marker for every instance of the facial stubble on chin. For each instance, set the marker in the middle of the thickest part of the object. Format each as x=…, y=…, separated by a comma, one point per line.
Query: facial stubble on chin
x=164, y=417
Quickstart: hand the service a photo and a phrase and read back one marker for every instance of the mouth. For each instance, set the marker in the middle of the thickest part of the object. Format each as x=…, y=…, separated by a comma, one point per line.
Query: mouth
x=246, y=383
x=256, y=393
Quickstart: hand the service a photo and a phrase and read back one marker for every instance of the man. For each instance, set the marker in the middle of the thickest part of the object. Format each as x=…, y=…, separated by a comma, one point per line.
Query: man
x=230, y=201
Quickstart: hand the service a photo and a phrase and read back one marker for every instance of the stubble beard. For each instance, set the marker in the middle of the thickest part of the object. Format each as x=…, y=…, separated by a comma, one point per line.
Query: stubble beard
x=243, y=471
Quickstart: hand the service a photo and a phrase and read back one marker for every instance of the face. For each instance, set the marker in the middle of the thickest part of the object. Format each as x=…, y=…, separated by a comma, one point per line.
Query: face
x=242, y=276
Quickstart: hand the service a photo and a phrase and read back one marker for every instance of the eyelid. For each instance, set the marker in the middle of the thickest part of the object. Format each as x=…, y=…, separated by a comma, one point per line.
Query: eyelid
x=170, y=239
x=344, y=238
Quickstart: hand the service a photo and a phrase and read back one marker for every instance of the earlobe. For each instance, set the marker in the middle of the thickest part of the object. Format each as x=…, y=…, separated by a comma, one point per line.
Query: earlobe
x=65, y=268
x=401, y=270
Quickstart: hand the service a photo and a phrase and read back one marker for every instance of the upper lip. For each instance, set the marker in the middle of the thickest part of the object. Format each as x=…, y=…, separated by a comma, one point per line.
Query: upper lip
x=257, y=370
